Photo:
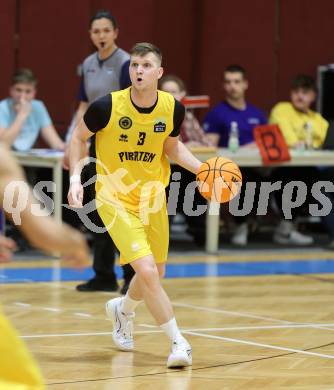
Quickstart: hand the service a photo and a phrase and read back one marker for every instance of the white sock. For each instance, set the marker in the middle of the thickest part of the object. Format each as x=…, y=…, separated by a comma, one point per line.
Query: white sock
x=129, y=304
x=171, y=329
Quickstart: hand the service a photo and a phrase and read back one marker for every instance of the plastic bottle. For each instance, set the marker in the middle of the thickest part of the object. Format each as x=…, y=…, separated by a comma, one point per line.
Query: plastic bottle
x=233, y=140
x=308, y=135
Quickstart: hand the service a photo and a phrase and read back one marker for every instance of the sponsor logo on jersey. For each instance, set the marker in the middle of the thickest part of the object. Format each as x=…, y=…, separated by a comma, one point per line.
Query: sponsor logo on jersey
x=136, y=156
x=123, y=138
x=135, y=246
x=159, y=126
x=254, y=121
x=125, y=122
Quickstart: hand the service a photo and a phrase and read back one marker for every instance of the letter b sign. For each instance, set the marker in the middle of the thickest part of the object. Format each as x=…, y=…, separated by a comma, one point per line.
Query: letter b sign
x=271, y=144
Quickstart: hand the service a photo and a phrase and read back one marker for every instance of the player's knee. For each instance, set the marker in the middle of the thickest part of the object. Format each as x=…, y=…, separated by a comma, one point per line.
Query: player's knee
x=149, y=275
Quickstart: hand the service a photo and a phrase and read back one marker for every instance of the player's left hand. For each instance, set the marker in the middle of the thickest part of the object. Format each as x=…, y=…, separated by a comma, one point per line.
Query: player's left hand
x=7, y=246
x=77, y=254
x=66, y=158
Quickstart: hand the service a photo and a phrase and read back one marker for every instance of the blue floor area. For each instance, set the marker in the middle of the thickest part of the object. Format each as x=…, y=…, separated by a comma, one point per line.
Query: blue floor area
x=21, y=275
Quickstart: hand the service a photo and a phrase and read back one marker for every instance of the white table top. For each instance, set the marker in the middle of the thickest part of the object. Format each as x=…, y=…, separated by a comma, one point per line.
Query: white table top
x=42, y=154
x=251, y=157
x=244, y=157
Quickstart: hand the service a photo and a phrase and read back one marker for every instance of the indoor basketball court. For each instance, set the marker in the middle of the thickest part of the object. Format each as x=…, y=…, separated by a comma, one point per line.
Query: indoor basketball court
x=197, y=132
x=259, y=319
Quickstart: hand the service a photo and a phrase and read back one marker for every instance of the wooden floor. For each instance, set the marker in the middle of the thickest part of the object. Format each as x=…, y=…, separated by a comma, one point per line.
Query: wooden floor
x=250, y=332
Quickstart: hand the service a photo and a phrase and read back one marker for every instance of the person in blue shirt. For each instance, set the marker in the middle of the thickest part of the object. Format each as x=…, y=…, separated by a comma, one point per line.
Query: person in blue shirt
x=234, y=109
x=218, y=122
x=23, y=118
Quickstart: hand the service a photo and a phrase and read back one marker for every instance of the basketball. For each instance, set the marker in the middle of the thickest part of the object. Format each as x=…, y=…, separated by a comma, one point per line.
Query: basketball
x=219, y=179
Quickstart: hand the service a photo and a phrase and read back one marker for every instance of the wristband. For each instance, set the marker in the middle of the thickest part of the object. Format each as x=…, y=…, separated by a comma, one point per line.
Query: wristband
x=75, y=179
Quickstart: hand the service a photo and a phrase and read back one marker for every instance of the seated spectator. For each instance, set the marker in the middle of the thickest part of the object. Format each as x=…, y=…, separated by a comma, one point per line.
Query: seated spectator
x=234, y=108
x=219, y=120
x=296, y=119
x=23, y=118
x=192, y=134
x=302, y=128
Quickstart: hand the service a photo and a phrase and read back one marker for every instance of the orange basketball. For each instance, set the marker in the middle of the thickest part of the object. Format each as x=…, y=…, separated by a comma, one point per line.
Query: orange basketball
x=219, y=179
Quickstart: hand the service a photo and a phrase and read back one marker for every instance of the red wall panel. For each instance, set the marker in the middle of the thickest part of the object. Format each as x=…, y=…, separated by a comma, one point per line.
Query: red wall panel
x=53, y=41
x=175, y=33
x=166, y=24
x=7, y=44
x=306, y=39
x=135, y=19
x=272, y=39
x=242, y=34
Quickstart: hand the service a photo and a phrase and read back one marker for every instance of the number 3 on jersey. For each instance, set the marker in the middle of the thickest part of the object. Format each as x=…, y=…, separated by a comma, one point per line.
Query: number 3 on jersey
x=141, y=138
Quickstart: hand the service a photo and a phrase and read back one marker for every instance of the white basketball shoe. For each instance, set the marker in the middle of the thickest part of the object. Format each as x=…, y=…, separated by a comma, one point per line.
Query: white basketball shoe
x=122, y=324
x=181, y=354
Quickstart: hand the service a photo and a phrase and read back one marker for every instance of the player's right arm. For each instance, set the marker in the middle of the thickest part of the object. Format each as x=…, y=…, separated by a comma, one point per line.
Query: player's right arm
x=76, y=119
x=95, y=119
x=78, y=152
x=81, y=110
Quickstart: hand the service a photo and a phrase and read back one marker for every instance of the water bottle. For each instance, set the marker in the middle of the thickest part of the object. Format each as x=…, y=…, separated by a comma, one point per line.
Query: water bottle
x=308, y=135
x=233, y=140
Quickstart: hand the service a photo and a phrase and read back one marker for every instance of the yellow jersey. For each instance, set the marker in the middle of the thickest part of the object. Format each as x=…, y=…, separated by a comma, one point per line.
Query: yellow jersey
x=293, y=124
x=131, y=165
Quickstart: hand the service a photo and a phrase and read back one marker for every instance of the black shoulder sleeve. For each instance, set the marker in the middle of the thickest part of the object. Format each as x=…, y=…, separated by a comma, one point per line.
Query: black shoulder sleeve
x=98, y=114
x=179, y=112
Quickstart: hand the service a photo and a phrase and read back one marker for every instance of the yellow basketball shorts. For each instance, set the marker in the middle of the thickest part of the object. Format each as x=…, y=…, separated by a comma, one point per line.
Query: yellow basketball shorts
x=18, y=370
x=133, y=237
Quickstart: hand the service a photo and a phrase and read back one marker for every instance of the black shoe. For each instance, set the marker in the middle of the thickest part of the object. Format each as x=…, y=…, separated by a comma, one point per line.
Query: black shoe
x=95, y=285
x=198, y=236
x=330, y=244
x=125, y=287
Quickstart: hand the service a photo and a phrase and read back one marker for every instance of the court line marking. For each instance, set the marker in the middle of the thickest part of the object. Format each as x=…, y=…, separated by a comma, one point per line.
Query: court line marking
x=195, y=333
x=260, y=345
x=237, y=314
x=147, y=325
x=37, y=336
x=53, y=309
x=254, y=327
x=240, y=314
x=23, y=304
x=231, y=313
x=157, y=330
x=212, y=310
x=227, y=255
x=82, y=314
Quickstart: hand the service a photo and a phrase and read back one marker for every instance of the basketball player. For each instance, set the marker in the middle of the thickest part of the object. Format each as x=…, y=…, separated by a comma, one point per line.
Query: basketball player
x=136, y=129
x=18, y=369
